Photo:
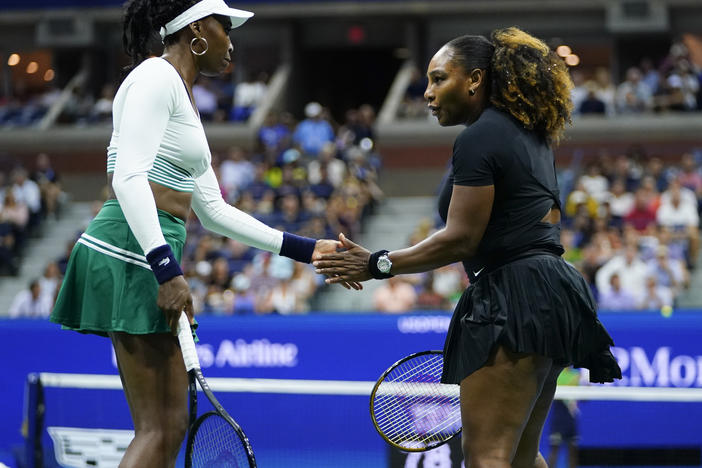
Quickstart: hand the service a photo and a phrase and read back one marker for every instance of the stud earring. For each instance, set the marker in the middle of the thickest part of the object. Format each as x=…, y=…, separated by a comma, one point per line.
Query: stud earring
x=471, y=92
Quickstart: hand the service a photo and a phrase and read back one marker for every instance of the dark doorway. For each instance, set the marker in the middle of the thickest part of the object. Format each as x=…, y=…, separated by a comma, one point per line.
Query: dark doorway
x=344, y=78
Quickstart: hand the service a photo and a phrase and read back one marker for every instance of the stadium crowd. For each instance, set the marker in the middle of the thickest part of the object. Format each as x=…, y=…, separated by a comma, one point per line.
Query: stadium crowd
x=26, y=199
x=672, y=83
x=630, y=222
x=630, y=225
x=669, y=83
x=313, y=178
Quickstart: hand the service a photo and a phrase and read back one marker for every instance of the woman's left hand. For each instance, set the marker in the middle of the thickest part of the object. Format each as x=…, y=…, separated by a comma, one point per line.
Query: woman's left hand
x=350, y=266
x=325, y=247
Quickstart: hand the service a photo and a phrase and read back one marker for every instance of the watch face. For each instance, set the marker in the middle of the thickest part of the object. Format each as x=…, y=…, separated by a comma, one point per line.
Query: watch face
x=384, y=264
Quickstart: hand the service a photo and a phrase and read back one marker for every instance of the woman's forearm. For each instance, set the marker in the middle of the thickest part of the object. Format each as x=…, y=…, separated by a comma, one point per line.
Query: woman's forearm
x=442, y=248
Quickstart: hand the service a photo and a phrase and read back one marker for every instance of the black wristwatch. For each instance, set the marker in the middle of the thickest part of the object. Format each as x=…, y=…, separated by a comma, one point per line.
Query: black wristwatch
x=379, y=265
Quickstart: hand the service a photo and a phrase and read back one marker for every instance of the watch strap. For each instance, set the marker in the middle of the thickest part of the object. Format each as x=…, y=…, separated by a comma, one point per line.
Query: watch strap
x=373, y=265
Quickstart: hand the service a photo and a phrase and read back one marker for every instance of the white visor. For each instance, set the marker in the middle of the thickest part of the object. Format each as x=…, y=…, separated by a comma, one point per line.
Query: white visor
x=201, y=10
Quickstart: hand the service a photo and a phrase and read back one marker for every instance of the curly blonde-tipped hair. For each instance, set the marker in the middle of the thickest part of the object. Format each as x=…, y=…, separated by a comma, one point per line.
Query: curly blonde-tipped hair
x=524, y=78
x=530, y=82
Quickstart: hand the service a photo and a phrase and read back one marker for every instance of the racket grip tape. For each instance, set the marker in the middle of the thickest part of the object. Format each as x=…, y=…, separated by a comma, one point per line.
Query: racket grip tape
x=187, y=344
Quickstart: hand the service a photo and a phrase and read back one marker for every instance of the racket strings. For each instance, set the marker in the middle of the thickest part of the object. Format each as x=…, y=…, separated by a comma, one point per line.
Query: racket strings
x=389, y=386
x=217, y=445
x=412, y=409
x=392, y=385
x=434, y=423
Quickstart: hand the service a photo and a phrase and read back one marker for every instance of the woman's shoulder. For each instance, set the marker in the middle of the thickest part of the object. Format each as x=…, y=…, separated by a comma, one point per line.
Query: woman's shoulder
x=493, y=126
x=156, y=69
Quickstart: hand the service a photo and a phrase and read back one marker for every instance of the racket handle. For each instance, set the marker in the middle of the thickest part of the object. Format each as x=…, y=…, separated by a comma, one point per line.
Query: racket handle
x=187, y=344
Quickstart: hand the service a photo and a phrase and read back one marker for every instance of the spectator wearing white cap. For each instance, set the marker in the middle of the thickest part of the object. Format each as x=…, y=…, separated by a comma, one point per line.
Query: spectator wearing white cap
x=312, y=133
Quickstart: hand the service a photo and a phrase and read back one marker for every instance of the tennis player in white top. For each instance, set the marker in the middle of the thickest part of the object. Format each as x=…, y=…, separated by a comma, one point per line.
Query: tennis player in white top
x=159, y=166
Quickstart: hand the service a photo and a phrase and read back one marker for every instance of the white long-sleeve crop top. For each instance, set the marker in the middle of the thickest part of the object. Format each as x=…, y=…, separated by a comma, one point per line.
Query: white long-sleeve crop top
x=157, y=136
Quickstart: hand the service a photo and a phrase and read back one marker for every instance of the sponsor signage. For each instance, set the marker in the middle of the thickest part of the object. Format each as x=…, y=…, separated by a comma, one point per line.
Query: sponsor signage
x=652, y=350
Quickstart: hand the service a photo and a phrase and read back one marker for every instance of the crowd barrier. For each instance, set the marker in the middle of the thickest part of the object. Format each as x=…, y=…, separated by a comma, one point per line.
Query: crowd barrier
x=315, y=354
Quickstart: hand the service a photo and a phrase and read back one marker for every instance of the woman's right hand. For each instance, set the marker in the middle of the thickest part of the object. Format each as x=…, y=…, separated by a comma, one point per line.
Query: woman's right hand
x=173, y=298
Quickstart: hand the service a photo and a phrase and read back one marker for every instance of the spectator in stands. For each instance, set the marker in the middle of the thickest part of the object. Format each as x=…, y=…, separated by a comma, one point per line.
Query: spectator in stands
x=289, y=215
x=679, y=213
x=322, y=187
x=79, y=107
x=49, y=185
x=413, y=105
x=621, y=202
x=236, y=172
x=682, y=86
x=30, y=303
x=335, y=168
x=304, y=283
x=655, y=296
x=9, y=264
x=50, y=281
x=205, y=98
x=594, y=183
x=669, y=272
x=626, y=169
x=450, y=281
x=643, y=214
x=633, y=96
x=579, y=92
x=631, y=269
x=394, y=296
x=650, y=76
x=244, y=299
x=689, y=176
x=656, y=170
x=284, y=297
x=27, y=192
x=592, y=104
x=62, y=261
x=220, y=277
x=15, y=213
x=428, y=298
x=617, y=297
x=102, y=110
x=366, y=117
x=573, y=253
x=606, y=91
x=312, y=133
x=248, y=95
x=274, y=136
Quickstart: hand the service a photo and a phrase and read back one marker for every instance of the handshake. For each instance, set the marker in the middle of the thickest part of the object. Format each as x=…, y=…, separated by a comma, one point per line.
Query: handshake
x=343, y=262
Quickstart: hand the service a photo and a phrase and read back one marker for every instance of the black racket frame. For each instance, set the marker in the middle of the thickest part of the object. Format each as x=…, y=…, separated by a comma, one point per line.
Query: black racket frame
x=195, y=376
x=372, y=398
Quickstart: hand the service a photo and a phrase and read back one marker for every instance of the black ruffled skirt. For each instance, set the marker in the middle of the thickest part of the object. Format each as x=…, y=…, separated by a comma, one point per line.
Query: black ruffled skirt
x=537, y=305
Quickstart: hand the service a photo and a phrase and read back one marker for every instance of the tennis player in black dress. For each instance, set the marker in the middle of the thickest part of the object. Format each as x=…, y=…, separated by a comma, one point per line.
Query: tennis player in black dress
x=527, y=313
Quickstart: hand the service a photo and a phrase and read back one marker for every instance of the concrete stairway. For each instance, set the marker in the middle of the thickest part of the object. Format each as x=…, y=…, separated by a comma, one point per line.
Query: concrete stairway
x=389, y=228
x=40, y=250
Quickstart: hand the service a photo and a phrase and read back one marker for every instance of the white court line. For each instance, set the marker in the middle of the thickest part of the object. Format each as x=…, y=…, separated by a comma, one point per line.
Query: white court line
x=364, y=388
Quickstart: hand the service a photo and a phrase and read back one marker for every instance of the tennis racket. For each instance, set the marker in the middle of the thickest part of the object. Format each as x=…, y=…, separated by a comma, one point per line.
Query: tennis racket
x=410, y=407
x=215, y=440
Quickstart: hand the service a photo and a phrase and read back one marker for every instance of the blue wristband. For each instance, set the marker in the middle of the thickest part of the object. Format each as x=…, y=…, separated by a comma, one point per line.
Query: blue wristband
x=297, y=247
x=163, y=263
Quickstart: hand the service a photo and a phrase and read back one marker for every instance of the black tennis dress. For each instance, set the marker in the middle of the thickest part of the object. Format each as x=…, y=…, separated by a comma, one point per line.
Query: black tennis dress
x=523, y=295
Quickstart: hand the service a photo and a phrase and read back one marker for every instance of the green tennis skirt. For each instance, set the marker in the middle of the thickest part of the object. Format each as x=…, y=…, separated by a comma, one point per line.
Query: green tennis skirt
x=109, y=285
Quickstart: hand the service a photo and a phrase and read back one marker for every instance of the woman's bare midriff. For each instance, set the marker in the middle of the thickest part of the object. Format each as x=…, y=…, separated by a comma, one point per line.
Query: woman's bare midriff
x=552, y=217
x=169, y=200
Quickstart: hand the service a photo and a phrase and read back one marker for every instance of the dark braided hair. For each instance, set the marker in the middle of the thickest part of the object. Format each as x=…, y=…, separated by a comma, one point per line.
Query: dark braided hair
x=524, y=77
x=142, y=21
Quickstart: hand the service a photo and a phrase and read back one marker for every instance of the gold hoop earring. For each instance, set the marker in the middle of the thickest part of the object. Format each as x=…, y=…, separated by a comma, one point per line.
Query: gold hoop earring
x=192, y=43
